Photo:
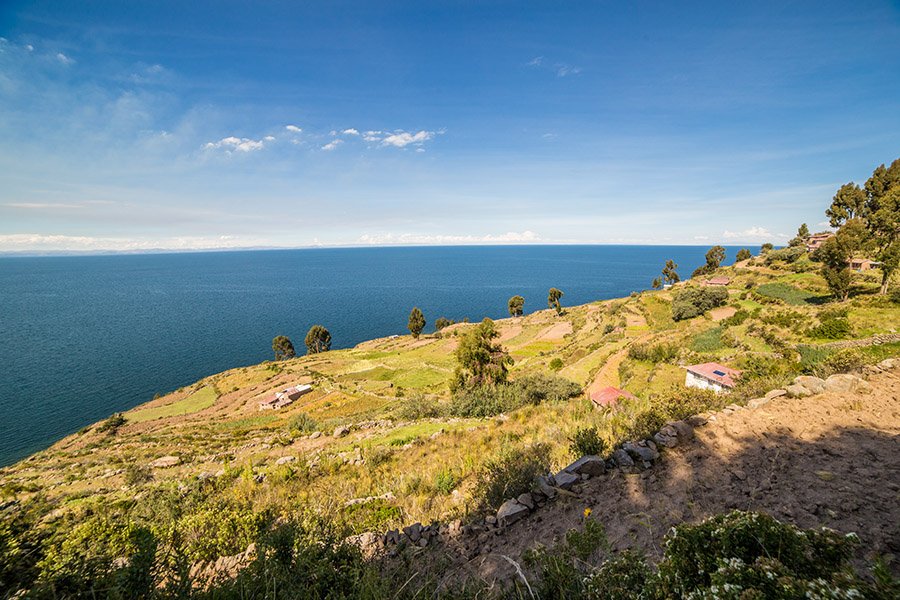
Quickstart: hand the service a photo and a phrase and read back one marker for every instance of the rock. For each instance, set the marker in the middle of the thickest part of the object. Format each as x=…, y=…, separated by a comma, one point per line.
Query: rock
x=641, y=451
x=591, y=465
x=510, y=512
x=285, y=460
x=622, y=460
x=798, y=391
x=341, y=431
x=816, y=385
x=413, y=532
x=315, y=434
x=566, y=480
x=889, y=363
x=667, y=436
x=367, y=542
x=545, y=485
x=526, y=500
x=422, y=542
x=775, y=394
x=165, y=462
x=845, y=382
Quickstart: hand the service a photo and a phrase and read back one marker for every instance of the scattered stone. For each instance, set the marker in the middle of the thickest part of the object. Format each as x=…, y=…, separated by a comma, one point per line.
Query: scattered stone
x=622, y=460
x=772, y=394
x=526, y=500
x=315, y=435
x=545, y=485
x=510, y=512
x=845, y=382
x=642, y=451
x=798, y=391
x=889, y=363
x=341, y=431
x=490, y=520
x=165, y=462
x=757, y=402
x=565, y=480
x=413, y=532
x=591, y=465
x=816, y=385
x=285, y=460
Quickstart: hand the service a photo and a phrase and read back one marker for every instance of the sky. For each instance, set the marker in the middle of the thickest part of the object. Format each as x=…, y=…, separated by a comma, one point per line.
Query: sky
x=132, y=126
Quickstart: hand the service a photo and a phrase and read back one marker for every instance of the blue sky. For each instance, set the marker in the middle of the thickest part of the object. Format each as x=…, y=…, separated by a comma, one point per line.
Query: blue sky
x=185, y=125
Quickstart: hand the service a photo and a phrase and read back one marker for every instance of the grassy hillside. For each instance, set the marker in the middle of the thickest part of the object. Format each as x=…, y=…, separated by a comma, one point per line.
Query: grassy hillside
x=408, y=456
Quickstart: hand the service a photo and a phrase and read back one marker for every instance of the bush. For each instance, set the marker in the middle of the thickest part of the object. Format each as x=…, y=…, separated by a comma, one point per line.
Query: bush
x=788, y=255
x=693, y=302
x=303, y=423
x=842, y=361
x=895, y=295
x=737, y=318
x=510, y=473
x=556, y=364
x=587, y=441
x=784, y=292
x=136, y=474
x=832, y=329
x=655, y=353
x=112, y=423
x=419, y=406
x=446, y=481
x=562, y=568
x=485, y=401
x=708, y=341
x=624, y=577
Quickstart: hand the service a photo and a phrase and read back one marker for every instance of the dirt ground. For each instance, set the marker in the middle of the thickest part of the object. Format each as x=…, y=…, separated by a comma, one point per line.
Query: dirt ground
x=829, y=460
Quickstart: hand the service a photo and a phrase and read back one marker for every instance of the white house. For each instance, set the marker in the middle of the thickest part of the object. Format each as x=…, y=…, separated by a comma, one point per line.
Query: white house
x=711, y=376
x=284, y=397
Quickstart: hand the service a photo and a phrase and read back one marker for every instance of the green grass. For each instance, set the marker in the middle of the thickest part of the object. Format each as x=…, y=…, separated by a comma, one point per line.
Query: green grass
x=199, y=400
x=708, y=341
x=786, y=293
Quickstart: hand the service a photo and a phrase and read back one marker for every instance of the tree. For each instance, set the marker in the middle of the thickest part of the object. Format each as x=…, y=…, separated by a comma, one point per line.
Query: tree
x=670, y=275
x=516, y=306
x=743, y=254
x=442, y=322
x=848, y=203
x=767, y=247
x=553, y=297
x=884, y=225
x=714, y=258
x=283, y=347
x=656, y=283
x=416, y=322
x=835, y=253
x=801, y=237
x=480, y=361
x=318, y=339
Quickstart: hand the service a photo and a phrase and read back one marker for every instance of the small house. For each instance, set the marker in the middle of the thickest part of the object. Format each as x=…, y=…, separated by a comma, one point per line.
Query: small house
x=284, y=397
x=815, y=241
x=719, y=281
x=711, y=376
x=609, y=397
x=861, y=265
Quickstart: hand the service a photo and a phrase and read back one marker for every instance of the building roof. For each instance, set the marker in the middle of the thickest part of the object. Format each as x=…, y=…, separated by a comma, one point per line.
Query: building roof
x=609, y=396
x=718, y=281
x=715, y=372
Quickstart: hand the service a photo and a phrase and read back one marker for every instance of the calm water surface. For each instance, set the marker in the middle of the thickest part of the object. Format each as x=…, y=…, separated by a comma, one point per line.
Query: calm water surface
x=83, y=337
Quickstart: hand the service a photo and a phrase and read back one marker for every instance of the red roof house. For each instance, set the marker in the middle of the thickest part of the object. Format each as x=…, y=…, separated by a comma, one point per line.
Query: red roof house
x=610, y=396
x=711, y=376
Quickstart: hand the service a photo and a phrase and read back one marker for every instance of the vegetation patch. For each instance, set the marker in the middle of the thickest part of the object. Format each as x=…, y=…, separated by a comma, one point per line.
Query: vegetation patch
x=199, y=400
x=785, y=292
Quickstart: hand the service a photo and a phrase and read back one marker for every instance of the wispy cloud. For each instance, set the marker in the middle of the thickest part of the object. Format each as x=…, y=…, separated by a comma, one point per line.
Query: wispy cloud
x=350, y=131
x=535, y=62
x=332, y=145
x=293, y=128
x=236, y=144
x=564, y=70
x=386, y=239
x=401, y=139
x=64, y=59
x=36, y=242
x=753, y=234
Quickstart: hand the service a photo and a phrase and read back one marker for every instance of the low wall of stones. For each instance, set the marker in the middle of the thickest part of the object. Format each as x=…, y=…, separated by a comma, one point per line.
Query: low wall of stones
x=875, y=340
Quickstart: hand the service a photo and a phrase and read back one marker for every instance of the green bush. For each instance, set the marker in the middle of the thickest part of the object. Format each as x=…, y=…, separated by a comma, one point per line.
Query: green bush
x=737, y=318
x=561, y=569
x=832, y=329
x=446, y=481
x=556, y=364
x=485, y=401
x=136, y=474
x=624, y=577
x=587, y=441
x=784, y=292
x=708, y=341
x=788, y=255
x=509, y=473
x=112, y=423
x=303, y=423
x=655, y=353
x=419, y=406
x=842, y=361
x=693, y=302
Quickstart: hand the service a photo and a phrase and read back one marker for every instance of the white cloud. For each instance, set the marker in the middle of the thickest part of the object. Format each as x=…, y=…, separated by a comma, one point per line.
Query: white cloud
x=563, y=70
x=269, y=138
x=401, y=139
x=235, y=144
x=332, y=145
x=293, y=128
x=753, y=234
x=535, y=62
x=29, y=47
x=36, y=242
x=350, y=131
x=388, y=239
x=64, y=59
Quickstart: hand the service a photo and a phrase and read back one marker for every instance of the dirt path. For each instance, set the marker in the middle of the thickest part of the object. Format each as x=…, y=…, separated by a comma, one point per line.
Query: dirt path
x=828, y=460
x=608, y=375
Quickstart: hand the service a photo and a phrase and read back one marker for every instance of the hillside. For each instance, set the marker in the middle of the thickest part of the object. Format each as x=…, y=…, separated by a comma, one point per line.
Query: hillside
x=379, y=443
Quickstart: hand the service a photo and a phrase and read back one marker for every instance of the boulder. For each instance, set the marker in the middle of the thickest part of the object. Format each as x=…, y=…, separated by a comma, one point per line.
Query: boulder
x=413, y=532
x=757, y=402
x=641, y=451
x=510, y=512
x=798, y=391
x=591, y=465
x=846, y=383
x=889, y=363
x=816, y=385
x=315, y=434
x=667, y=436
x=545, y=485
x=772, y=394
x=622, y=460
x=526, y=500
x=566, y=480
x=341, y=431
x=164, y=462
x=285, y=460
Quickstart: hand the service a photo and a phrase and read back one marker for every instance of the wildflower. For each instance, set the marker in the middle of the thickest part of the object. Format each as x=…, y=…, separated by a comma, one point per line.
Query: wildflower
x=587, y=512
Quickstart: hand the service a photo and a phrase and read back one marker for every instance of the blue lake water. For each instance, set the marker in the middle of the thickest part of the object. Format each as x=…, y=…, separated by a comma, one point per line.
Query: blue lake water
x=83, y=337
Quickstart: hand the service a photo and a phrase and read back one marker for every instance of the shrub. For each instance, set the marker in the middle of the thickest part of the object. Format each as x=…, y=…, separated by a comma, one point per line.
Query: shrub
x=587, y=441
x=556, y=364
x=303, y=423
x=621, y=578
x=374, y=515
x=784, y=292
x=693, y=302
x=562, y=568
x=136, y=474
x=446, y=481
x=737, y=318
x=609, y=327
x=832, y=329
x=842, y=361
x=788, y=255
x=708, y=341
x=419, y=406
x=895, y=295
x=509, y=473
x=485, y=401
x=655, y=353
x=112, y=423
